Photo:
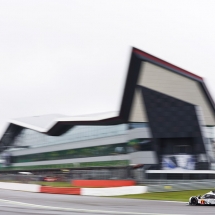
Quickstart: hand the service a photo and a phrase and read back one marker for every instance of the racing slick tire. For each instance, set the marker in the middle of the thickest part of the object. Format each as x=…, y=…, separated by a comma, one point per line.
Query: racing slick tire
x=193, y=201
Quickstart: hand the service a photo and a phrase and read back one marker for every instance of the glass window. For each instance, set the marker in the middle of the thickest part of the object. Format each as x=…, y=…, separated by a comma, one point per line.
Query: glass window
x=206, y=196
x=33, y=139
x=104, y=150
x=138, y=125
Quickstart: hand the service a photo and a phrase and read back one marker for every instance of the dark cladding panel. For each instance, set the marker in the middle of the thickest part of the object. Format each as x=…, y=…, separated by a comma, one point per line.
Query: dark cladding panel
x=170, y=117
x=131, y=81
x=174, y=125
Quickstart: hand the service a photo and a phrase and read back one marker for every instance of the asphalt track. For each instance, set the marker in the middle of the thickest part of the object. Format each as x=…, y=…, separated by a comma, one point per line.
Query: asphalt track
x=16, y=202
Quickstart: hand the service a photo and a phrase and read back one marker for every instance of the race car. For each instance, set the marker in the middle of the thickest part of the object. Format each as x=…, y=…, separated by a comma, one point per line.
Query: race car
x=206, y=199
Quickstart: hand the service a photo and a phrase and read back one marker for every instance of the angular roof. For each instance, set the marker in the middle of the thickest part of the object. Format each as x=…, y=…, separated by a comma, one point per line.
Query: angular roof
x=38, y=123
x=143, y=65
x=57, y=124
x=44, y=123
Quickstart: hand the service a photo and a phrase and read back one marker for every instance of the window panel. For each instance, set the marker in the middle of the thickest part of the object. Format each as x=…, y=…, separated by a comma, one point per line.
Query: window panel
x=33, y=139
x=74, y=153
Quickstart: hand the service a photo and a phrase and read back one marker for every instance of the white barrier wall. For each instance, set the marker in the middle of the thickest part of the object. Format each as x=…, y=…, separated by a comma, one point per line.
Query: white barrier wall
x=113, y=191
x=22, y=187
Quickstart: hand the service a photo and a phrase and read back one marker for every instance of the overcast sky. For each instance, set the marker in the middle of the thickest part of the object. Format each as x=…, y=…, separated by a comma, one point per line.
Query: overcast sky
x=71, y=57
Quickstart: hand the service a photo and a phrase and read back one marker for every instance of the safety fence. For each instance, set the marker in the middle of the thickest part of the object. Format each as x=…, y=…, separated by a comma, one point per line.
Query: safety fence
x=161, y=184
x=71, y=174
x=19, y=178
x=100, y=174
x=168, y=186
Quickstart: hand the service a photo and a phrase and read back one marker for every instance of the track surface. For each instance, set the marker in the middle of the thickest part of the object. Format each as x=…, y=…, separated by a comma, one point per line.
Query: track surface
x=16, y=202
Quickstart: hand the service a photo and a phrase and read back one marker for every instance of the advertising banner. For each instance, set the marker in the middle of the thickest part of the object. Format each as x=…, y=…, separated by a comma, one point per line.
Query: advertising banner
x=178, y=162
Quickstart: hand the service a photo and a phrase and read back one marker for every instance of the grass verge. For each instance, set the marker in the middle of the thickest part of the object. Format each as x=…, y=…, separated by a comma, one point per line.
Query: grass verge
x=182, y=196
x=51, y=184
x=54, y=184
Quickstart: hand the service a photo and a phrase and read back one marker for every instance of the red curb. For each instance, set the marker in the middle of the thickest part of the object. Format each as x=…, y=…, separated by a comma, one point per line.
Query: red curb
x=102, y=183
x=60, y=190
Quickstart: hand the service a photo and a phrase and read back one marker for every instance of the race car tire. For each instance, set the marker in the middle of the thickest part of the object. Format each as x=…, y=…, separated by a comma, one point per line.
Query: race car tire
x=193, y=201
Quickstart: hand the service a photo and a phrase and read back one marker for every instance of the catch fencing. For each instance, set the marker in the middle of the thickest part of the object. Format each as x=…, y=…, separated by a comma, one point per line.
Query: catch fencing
x=154, y=185
x=72, y=174
x=168, y=186
x=100, y=174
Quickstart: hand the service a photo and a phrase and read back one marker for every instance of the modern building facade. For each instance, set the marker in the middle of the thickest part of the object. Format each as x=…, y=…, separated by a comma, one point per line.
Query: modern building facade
x=81, y=146
x=166, y=121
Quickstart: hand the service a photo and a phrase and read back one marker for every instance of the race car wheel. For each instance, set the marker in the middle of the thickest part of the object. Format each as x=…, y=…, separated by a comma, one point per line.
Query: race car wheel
x=193, y=201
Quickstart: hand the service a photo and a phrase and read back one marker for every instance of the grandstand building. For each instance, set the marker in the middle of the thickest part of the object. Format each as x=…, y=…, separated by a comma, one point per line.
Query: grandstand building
x=166, y=121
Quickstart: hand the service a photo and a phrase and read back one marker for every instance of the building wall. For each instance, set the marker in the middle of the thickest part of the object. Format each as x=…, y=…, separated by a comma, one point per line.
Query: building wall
x=139, y=133
x=141, y=157
x=177, y=86
x=134, y=133
x=138, y=111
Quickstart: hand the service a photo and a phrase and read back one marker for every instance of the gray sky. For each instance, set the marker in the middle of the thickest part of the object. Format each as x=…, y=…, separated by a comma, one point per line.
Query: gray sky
x=71, y=57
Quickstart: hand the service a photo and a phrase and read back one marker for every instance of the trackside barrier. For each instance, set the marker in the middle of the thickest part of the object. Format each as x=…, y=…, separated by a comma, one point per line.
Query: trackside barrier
x=113, y=191
x=60, y=190
x=22, y=187
x=102, y=183
x=168, y=187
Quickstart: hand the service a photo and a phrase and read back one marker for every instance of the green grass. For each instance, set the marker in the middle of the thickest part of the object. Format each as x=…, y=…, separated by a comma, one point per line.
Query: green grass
x=51, y=184
x=57, y=184
x=168, y=196
x=44, y=183
x=54, y=184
